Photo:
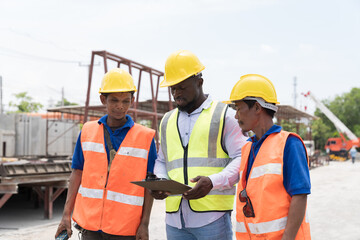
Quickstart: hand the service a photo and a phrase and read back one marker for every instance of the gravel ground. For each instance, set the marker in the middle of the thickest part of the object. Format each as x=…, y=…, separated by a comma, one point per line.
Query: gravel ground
x=333, y=209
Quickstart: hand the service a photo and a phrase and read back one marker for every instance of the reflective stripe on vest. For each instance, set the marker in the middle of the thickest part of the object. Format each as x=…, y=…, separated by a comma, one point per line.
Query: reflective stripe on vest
x=134, y=152
x=123, y=198
x=271, y=168
x=91, y=193
x=266, y=177
x=93, y=147
x=265, y=227
x=198, y=162
x=204, y=156
x=108, y=201
x=217, y=119
x=240, y=227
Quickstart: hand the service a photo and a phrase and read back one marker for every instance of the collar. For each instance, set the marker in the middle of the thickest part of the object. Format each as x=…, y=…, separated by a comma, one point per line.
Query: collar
x=274, y=129
x=129, y=122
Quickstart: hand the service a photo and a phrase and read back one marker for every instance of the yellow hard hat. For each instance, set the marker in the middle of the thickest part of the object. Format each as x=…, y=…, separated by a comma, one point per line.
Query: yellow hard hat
x=254, y=85
x=117, y=80
x=179, y=66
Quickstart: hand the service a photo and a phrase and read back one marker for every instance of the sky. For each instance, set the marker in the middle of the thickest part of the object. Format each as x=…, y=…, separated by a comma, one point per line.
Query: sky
x=45, y=46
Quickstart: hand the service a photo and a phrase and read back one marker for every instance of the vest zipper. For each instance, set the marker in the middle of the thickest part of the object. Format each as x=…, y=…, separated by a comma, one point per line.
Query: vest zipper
x=185, y=164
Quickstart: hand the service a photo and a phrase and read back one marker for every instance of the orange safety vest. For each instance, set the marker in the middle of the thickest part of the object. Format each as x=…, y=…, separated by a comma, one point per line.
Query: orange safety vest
x=109, y=202
x=267, y=193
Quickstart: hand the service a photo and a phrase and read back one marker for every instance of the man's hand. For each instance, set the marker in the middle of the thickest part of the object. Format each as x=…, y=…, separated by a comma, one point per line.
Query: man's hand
x=65, y=224
x=201, y=189
x=159, y=195
x=142, y=232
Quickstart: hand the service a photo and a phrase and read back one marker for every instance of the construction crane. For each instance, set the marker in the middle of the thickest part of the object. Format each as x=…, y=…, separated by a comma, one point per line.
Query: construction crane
x=337, y=148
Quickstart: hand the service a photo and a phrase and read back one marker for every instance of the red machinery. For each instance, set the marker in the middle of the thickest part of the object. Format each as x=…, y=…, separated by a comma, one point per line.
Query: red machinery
x=337, y=148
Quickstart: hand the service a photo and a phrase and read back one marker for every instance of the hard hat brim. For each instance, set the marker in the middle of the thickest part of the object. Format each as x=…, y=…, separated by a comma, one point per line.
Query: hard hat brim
x=165, y=83
x=116, y=90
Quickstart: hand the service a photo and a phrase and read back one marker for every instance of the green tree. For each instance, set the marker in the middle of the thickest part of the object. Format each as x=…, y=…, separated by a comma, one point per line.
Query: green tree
x=320, y=133
x=24, y=103
x=346, y=107
x=66, y=103
x=292, y=126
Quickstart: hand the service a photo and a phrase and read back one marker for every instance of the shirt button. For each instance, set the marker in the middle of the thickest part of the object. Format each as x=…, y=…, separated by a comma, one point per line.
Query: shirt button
x=189, y=115
x=186, y=133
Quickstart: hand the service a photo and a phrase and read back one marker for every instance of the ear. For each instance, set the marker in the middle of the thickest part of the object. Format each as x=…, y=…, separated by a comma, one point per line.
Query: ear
x=103, y=99
x=132, y=100
x=200, y=82
x=258, y=108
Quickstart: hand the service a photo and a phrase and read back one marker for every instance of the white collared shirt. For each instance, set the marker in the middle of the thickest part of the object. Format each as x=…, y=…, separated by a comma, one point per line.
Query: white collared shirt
x=233, y=140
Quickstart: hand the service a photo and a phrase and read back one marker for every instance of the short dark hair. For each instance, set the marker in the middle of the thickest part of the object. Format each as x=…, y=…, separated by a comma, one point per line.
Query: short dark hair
x=251, y=103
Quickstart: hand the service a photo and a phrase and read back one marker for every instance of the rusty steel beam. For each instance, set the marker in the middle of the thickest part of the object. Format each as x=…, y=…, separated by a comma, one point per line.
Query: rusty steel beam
x=154, y=100
x=137, y=95
x=48, y=196
x=8, y=188
x=105, y=62
x=170, y=103
x=4, y=199
x=134, y=64
x=157, y=87
x=38, y=191
x=130, y=69
x=48, y=204
x=41, y=178
x=131, y=65
x=89, y=87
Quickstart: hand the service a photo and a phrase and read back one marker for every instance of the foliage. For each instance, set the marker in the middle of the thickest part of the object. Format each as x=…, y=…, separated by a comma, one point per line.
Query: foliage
x=24, y=103
x=346, y=107
x=292, y=126
x=66, y=103
x=320, y=133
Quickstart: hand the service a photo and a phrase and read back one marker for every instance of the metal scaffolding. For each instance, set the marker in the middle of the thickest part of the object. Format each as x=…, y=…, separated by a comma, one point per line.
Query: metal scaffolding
x=153, y=73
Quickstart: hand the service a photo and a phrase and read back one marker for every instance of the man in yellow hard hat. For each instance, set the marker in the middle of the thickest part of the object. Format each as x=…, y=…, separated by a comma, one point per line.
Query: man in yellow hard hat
x=109, y=154
x=274, y=174
x=200, y=146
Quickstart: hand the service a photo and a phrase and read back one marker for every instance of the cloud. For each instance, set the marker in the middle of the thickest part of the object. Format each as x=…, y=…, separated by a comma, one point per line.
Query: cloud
x=267, y=48
x=306, y=49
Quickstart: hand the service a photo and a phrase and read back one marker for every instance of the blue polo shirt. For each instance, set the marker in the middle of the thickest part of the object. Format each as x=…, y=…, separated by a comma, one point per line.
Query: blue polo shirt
x=116, y=138
x=295, y=169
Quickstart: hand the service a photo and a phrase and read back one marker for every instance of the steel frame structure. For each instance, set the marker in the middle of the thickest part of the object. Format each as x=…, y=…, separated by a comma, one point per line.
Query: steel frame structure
x=131, y=65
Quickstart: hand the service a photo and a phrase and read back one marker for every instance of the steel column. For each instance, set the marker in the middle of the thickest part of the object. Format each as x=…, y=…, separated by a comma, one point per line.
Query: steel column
x=4, y=199
x=137, y=96
x=89, y=87
x=48, y=204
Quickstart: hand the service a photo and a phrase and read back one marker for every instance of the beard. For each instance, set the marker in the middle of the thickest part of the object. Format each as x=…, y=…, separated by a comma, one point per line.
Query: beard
x=187, y=107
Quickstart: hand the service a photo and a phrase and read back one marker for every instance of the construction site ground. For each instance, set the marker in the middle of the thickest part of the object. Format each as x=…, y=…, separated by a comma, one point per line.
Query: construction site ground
x=333, y=209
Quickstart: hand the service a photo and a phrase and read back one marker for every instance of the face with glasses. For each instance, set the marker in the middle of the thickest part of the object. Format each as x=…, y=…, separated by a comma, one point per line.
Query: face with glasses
x=248, y=209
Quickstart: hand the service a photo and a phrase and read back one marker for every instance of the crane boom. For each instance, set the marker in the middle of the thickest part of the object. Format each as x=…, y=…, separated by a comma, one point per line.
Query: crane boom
x=339, y=125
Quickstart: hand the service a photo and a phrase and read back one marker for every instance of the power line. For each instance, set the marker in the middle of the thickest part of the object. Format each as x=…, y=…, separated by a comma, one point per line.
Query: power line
x=34, y=57
x=42, y=40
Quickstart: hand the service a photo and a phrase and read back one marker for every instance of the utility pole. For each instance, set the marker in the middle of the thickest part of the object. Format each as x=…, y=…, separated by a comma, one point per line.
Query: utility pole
x=62, y=97
x=295, y=92
x=62, y=102
x=1, y=97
